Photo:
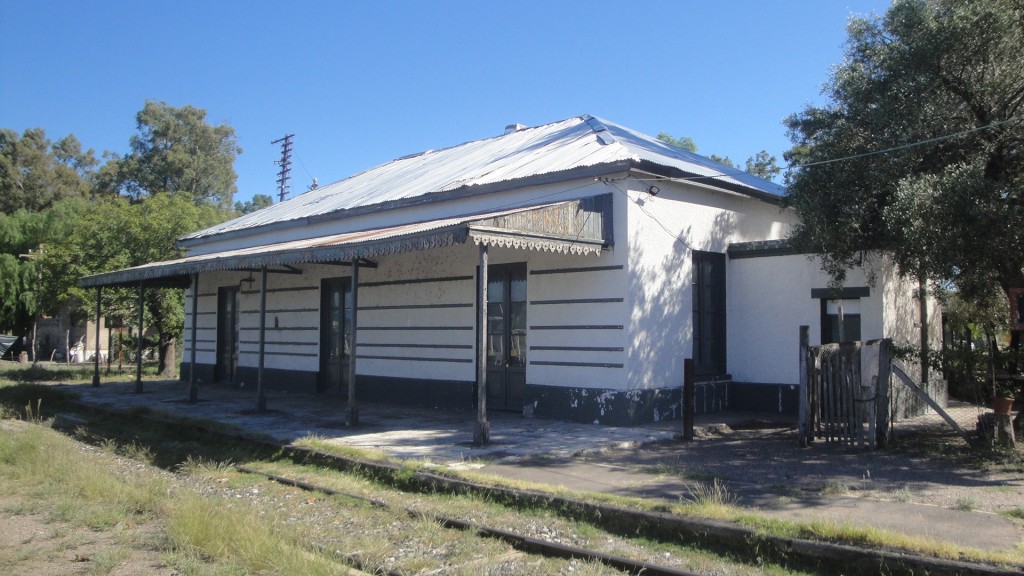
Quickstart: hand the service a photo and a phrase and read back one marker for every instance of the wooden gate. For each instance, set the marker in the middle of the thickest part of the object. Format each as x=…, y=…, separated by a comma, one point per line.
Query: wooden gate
x=844, y=392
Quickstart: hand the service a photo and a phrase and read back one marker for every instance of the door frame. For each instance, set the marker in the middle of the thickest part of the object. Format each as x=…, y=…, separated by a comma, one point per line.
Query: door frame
x=709, y=314
x=324, y=381
x=228, y=343
x=509, y=377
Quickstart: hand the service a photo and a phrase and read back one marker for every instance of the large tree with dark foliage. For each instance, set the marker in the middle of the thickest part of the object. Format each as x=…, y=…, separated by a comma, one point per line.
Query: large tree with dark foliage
x=920, y=150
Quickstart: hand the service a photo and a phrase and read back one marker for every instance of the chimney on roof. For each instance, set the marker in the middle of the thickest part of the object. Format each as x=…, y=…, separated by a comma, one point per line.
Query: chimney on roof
x=514, y=128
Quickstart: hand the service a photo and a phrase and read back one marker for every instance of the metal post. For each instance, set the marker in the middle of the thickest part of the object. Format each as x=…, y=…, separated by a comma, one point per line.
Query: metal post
x=193, y=389
x=482, y=434
x=261, y=400
x=352, y=410
x=138, y=351
x=96, y=372
x=802, y=425
x=689, y=406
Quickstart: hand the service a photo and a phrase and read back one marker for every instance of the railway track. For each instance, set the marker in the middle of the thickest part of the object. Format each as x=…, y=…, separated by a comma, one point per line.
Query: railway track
x=521, y=542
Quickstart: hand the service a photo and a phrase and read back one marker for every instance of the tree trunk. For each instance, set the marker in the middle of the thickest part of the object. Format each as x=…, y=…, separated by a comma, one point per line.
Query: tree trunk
x=167, y=354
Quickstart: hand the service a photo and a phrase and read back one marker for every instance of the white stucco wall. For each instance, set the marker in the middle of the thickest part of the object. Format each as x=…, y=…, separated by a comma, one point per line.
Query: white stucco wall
x=663, y=232
x=292, y=313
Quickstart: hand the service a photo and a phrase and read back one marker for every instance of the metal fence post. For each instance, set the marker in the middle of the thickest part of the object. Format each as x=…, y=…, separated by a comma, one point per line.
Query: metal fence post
x=688, y=403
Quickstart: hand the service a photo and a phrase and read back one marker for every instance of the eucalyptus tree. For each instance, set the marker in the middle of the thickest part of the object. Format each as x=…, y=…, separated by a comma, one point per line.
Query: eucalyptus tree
x=176, y=151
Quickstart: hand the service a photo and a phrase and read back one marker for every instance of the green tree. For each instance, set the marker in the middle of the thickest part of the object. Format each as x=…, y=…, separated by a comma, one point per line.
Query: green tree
x=685, y=142
x=35, y=173
x=114, y=234
x=919, y=151
x=763, y=165
x=176, y=151
x=258, y=202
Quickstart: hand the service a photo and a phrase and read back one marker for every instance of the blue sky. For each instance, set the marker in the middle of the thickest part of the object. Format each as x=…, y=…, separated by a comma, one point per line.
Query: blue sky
x=361, y=83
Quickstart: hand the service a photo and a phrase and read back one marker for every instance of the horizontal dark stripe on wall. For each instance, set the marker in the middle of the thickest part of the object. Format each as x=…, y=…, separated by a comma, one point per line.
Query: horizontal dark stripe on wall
x=579, y=348
x=269, y=353
x=576, y=301
x=438, y=346
x=376, y=328
x=201, y=313
x=294, y=289
x=413, y=359
x=415, y=281
x=579, y=327
x=205, y=341
x=202, y=295
x=415, y=307
x=575, y=270
x=281, y=311
x=269, y=328
x=276, y=343
x=198, y=350
x=575, y=364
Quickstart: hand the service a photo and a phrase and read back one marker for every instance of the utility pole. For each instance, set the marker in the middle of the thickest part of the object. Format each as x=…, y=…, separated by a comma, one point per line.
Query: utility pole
x=286, y=165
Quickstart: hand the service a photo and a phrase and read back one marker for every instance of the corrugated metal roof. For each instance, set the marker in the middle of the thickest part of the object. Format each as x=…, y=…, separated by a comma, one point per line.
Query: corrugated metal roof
x=559, y=147
x=379, y=242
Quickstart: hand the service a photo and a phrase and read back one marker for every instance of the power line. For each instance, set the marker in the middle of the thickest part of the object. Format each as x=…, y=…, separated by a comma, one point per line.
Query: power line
x=737, y=171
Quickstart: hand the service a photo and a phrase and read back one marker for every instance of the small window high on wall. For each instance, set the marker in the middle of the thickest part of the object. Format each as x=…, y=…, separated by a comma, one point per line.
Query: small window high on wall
x=840, y=313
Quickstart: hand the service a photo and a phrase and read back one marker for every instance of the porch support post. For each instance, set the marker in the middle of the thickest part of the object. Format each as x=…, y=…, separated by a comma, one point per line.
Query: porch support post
x=96, y=372
x=352, y=410
x=138, y=352
x=193, y=390
x=482, y=434
x=261, y=400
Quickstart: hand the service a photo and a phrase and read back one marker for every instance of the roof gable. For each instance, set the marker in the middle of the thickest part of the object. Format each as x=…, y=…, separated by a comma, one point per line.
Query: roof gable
x=568, y=149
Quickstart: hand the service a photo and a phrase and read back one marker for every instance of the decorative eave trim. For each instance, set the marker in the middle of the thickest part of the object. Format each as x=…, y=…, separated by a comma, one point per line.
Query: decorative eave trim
x=487, y=236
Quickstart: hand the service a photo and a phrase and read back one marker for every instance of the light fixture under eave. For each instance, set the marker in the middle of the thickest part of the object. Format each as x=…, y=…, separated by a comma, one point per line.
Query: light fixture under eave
x=653, y=190
x=250, y=280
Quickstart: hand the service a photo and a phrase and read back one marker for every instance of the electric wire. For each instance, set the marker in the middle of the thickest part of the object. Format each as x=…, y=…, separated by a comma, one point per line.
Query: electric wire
x=795, y=166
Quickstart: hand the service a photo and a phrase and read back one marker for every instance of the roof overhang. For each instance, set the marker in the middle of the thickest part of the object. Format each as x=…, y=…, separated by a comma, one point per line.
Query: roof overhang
x=582, y=226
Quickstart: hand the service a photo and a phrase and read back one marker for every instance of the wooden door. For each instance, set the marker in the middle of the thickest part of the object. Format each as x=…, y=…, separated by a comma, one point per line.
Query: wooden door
x=227, y=334
x=506, y=336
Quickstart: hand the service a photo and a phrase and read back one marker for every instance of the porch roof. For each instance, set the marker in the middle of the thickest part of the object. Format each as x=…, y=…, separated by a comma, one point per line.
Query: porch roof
x=573, y=227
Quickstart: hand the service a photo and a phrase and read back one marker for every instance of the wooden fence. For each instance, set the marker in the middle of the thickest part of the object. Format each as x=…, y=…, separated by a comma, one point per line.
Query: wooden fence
x=844, y=392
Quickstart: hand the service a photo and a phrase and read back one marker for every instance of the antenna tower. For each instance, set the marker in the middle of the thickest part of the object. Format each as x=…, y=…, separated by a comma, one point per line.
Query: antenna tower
x=286, y=165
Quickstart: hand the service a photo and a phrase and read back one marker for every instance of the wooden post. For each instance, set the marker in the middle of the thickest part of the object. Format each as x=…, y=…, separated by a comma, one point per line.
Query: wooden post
x=138, y=351
x=261, y=399
x=688, y=395
x=96, y=372
x=351, y=409
x=882, y=394
x=193, y=390
x=802, y=426
x=482, y=433
x=922, y=296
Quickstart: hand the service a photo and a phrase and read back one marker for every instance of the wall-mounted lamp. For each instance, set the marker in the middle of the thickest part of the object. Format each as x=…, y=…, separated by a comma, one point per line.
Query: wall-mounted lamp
x=653, y=190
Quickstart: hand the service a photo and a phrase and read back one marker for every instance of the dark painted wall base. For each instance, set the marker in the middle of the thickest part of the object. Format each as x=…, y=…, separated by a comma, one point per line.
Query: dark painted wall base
x=621, y=408
x=607, y=407
x=778, y=398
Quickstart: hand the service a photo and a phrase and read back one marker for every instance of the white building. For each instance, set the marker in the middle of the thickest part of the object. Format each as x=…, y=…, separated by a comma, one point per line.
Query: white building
x=610, y=256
